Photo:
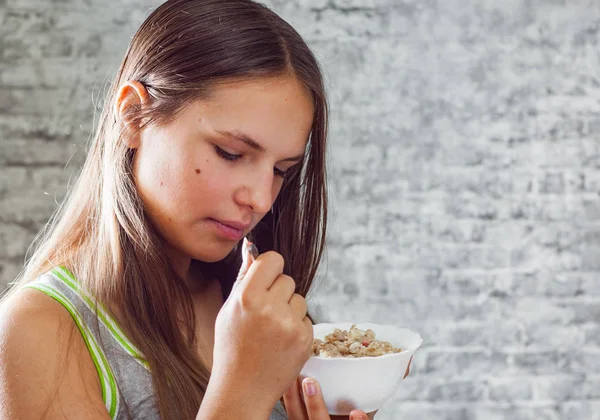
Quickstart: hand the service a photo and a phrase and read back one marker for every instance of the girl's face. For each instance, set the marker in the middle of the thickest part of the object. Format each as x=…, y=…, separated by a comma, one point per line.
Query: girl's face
x=220, y=162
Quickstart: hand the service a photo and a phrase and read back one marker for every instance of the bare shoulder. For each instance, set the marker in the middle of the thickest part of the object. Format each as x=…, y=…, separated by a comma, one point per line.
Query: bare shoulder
x=45, y=367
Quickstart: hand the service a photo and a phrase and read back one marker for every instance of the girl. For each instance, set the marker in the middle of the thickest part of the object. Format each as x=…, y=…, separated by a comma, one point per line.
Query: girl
x=214, y=129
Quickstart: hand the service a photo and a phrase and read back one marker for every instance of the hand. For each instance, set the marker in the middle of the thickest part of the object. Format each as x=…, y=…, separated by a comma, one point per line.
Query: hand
x=301, y=404
x=262, y=336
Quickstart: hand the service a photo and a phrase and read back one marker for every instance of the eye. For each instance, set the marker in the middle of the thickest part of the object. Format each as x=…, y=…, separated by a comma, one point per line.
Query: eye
x=232, y=158
x=225, y=155
x=290, y=172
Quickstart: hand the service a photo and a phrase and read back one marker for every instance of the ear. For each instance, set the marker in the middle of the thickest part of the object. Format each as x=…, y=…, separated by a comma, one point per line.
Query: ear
x=132, y=97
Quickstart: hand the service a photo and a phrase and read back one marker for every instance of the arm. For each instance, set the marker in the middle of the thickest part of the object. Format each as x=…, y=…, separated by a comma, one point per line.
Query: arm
x=232, y=402
x=46, y=370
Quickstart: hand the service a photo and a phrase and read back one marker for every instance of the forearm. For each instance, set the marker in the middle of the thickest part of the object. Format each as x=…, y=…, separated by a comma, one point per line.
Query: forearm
x=226, y=402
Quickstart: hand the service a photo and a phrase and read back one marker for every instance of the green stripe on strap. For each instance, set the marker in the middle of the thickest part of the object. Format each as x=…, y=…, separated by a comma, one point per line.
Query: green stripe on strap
x=111, y=325
x=107, y=380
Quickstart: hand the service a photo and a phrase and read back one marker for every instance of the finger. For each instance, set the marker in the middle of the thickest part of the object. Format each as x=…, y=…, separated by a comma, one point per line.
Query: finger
x=313, y=399
x=407, y=368
x=359, y=415
x=283, y=287
x=294, y=406
x=299, y=305
x=263, y=272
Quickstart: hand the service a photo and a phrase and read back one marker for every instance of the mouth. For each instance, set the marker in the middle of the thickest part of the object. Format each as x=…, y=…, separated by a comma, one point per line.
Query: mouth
x=230, y=229
x=234, y=224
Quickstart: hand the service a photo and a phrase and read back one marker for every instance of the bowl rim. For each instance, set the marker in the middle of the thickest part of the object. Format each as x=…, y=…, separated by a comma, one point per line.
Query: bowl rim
x=388, y=355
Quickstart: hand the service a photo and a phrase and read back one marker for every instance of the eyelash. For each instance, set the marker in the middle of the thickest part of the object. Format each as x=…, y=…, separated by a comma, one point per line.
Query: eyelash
x=232, y=158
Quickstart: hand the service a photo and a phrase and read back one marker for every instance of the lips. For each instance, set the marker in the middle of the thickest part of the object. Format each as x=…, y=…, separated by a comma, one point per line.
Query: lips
x=234, y=224
x=231, y=230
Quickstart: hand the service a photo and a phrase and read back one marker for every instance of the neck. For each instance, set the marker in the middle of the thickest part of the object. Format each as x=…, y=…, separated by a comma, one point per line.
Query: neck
x=180, y=262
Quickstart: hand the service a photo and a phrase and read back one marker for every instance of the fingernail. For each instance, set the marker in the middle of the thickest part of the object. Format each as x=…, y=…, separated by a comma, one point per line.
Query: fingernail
x=310, y=387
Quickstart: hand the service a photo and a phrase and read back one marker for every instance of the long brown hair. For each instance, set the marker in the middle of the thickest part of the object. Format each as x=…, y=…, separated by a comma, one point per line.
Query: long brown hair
x=101, y=231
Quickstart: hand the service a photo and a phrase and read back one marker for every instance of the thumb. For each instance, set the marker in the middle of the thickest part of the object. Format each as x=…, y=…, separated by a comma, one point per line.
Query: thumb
x=249, y=254
x=358, y=415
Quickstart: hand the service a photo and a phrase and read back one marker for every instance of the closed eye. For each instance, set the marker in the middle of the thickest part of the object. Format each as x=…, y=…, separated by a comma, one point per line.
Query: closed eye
x=232, y=158
x=225, y=155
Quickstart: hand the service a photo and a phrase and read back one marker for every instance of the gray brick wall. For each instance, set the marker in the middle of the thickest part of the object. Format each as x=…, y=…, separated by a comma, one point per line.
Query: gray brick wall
x=465, y=179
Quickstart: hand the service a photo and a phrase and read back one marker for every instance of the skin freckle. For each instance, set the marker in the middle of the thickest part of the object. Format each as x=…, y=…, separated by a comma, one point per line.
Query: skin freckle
x=197, y=170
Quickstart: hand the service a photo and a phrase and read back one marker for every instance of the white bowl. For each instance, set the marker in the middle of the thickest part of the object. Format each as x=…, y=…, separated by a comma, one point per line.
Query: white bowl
x=363, y=383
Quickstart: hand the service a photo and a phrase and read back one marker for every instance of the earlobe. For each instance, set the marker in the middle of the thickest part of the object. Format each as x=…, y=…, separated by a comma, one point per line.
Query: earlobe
x=131, y=97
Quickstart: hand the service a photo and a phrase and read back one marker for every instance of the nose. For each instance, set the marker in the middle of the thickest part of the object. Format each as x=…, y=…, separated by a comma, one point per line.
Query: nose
x=257, y=192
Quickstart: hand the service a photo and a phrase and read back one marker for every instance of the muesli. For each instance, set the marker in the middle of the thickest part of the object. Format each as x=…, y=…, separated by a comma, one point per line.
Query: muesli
x=352, y=343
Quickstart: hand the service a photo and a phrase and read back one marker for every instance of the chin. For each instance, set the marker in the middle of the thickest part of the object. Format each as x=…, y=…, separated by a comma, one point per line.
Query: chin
x=215, y=256
x=210, y=259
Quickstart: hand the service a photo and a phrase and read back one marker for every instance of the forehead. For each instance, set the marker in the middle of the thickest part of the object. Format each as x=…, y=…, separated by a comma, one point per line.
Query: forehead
x=276, y=111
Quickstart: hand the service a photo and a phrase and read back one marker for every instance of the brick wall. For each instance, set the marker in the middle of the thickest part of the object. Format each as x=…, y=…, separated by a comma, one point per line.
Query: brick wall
x=465, y=158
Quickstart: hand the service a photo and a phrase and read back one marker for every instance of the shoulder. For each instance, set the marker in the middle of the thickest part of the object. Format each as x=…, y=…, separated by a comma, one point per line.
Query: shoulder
x=30, y=317
x=44, y=363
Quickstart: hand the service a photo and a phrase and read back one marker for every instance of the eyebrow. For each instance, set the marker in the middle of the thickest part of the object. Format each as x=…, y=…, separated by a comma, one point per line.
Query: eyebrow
x=239, y=136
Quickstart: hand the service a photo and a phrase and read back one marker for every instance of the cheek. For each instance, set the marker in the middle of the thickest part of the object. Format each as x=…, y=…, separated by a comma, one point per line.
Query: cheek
x=158, y=179
x=181, y=184
x=208, y=181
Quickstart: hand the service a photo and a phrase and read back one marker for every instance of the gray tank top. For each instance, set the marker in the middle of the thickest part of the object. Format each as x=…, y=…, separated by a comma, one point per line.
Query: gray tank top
x=124, y=374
